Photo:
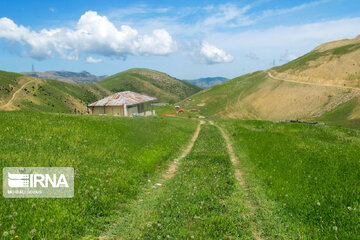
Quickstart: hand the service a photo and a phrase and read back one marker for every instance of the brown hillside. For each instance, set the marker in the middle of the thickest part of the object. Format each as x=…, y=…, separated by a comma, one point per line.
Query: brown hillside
x=335, y=63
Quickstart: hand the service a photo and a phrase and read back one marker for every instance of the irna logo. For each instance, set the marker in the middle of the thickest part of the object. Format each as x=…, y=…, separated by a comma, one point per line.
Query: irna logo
x=38, y=182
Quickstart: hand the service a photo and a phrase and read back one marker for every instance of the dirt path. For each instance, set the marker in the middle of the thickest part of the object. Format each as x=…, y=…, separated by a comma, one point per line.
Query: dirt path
x=7, y=106
x=314, y=84
x=239, y=175
x=173, y=166
x=153, y=187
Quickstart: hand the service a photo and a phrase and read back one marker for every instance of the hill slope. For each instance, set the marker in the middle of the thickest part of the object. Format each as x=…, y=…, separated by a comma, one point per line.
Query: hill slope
x=335, y=63
x=66, y=76
x=322, y=84
x=153, y=83
x=23, y=92
x=207, y=82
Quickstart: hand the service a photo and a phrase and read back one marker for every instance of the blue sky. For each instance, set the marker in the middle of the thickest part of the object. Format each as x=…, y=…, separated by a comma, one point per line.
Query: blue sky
x=186, y=39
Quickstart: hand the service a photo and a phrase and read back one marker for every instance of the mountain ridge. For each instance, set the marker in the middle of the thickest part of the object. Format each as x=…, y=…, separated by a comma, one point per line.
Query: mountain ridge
x=207, y=82
x=66, y=76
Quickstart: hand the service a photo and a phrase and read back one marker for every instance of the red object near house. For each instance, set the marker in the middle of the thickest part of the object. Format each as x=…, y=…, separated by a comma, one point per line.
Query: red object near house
x=169, y=115
x=181, y=110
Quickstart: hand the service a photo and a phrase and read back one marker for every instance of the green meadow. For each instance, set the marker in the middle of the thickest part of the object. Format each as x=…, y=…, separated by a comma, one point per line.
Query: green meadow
x=112, y=157
x=304, y=179
x=296, y=181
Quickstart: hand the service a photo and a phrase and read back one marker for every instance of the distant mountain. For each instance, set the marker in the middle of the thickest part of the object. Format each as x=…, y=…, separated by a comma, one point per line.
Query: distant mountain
x=66, y=76
x=207, y=82
x=153, y=83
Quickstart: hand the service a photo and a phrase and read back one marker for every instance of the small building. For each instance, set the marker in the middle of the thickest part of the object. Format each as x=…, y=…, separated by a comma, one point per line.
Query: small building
x=126, y=104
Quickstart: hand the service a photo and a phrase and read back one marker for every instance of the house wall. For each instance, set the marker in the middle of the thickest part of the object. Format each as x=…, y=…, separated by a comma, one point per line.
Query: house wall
x=132, y=110
x=119, y=110
x=109, y=110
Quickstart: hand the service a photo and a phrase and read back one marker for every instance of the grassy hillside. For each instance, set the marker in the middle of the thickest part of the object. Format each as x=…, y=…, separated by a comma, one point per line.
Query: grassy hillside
x=346, y=114
x=319, y=85
x=23, y=92
x=153, y=83
x=112, y=158
x=257, y=96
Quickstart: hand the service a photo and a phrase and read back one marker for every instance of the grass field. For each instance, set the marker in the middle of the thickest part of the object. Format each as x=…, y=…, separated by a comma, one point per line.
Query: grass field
x=303, y=178
x=341, y=115
x=296, y=181
x=112, y=157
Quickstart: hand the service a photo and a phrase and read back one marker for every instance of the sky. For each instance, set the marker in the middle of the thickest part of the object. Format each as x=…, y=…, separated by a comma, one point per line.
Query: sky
x=185, y=39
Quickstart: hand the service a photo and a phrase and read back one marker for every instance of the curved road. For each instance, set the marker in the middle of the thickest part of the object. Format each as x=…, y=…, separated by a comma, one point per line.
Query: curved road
x=308, y=83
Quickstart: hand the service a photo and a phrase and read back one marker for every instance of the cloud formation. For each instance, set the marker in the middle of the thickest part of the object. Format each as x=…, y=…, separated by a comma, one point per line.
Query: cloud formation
x=91, y=59
x=209, y=54
x=93, y=34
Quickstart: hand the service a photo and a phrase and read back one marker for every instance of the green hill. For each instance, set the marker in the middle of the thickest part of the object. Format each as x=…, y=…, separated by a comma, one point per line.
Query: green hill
x=23, y=92
x=153, y=83
x=322, y=85
x=18, y=91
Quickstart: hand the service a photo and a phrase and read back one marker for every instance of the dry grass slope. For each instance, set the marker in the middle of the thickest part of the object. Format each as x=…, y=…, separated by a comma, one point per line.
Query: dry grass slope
x=323, y=84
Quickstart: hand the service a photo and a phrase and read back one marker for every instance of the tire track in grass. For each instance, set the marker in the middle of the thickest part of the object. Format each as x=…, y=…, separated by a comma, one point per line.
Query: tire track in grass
x=239, y=175
x=173, y=166
x=170, y=173
x=201, y=201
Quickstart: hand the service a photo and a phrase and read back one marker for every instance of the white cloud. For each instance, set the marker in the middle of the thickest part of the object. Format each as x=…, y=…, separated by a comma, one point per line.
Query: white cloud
x=160, y=43
x=229, y=14
x=210, y=54
x=93, y=34
x=276, y=12
x=91, y=59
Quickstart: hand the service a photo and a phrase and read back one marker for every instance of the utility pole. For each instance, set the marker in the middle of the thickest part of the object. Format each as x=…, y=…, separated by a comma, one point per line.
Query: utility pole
x=32, y=68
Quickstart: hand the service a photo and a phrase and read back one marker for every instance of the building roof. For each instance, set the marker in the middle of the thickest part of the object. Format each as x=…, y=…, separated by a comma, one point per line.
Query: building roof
x=121, y=98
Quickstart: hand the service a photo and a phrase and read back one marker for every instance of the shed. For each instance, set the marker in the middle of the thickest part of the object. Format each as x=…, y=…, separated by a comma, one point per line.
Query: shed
x=124, y=104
